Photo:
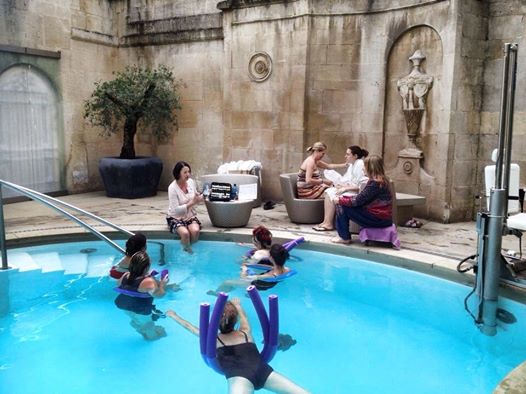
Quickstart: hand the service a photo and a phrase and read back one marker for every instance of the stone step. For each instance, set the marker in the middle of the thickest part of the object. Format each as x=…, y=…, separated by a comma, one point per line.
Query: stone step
x=99, y=265
x=48, y=262
x=23, y=261
x=74, y=263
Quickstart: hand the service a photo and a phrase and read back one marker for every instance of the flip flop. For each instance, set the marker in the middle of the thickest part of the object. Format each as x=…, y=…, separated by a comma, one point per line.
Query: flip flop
x=321, y=228
x=338, y=240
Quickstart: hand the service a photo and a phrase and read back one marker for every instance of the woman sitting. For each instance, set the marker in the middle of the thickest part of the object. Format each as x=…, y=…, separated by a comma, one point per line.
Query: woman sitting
x=238, y=356
x=137, y=291
x=310, y=183
x=350, y=183
x=183, y=196
x=372, y=207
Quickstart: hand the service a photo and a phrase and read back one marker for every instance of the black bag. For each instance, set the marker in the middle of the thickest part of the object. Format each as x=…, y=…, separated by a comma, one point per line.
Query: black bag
x=220, y=191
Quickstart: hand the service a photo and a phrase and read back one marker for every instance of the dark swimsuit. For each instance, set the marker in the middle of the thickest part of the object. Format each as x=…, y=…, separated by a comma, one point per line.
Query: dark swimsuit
x=141, y=306
x=243, y=360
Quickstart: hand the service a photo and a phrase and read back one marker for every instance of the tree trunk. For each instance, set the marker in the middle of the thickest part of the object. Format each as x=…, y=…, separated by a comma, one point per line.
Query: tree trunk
x=128, y=147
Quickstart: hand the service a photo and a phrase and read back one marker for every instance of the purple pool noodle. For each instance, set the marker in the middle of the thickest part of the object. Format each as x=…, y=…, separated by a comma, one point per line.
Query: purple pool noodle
x=272, y=346
x=204, y=315
x=260, y=310
x=153, y=273
x=212, y=331
x=164, y=273
x=289, y=245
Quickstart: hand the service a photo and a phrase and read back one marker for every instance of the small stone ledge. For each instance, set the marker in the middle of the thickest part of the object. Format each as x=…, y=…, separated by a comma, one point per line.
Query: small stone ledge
x=94, y=37
x=174, y=30
x=233, y=4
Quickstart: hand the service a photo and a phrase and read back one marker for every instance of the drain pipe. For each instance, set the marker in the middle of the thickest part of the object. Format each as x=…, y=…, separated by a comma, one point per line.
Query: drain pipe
x=491, y=261
x=2, y=233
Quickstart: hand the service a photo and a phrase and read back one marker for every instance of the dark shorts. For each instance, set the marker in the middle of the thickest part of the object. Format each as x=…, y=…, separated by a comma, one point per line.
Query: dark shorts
x=174, y=223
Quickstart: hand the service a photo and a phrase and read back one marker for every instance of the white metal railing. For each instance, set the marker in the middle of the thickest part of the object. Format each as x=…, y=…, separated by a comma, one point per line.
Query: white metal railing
x=55, y=204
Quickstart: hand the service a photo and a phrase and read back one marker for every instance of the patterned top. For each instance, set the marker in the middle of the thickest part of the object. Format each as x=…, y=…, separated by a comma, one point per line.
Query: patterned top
x=308, y=191
x=375, y=197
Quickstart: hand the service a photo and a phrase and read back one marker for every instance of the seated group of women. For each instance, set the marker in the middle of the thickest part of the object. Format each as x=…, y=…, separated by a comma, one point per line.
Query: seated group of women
x=362, y=194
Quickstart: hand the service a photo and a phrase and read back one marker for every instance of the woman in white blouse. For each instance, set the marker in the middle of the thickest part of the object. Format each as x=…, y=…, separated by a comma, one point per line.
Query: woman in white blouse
x=183, y=196
x=350, y=183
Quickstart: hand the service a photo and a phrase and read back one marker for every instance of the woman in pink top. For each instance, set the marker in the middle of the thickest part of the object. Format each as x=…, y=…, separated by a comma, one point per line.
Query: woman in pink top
x=183, y=196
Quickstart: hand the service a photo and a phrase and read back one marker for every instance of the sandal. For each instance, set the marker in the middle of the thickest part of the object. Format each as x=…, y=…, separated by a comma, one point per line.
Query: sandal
x=321, y=228
x=338, y=240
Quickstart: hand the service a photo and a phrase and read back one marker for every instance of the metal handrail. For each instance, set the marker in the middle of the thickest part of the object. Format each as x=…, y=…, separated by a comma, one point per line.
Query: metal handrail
x=49, y=201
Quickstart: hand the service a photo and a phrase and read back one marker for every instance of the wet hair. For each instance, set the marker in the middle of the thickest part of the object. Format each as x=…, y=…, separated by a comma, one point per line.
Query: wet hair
x=139, y=263
x=317, y=146
x=263, y=236
x=279, y=254
x=374, y=165
x=228, y=318
x=135, y=244
x=356, y=150
x=179, y=167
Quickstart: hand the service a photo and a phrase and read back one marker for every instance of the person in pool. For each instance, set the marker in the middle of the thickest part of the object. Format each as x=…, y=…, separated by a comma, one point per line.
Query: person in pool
x=134, y=244
x=238, y=356
x=262, y=239
x=140, y=307
x=278, y=255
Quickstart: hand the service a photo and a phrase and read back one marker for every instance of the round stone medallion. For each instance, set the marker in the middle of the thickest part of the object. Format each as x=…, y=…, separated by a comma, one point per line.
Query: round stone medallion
x=259, y=67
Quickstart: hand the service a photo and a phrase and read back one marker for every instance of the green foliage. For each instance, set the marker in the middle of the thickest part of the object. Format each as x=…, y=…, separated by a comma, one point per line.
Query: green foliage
x=141, y=97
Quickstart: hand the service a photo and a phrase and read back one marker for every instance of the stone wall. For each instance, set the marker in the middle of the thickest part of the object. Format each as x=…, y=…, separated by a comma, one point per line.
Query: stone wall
x=334, y=71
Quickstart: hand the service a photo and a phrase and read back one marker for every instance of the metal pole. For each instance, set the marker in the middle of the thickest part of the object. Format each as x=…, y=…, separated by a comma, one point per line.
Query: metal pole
x=492, y=262
x=512, y=77
x=502, y=118
x=2, y=233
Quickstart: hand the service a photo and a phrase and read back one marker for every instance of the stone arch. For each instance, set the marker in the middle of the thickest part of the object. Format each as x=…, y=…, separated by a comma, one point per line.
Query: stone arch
x=427, y=39
x=29, y=130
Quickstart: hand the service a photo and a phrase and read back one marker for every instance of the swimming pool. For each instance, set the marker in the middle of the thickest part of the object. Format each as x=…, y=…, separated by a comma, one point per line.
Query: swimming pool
x=359, y=327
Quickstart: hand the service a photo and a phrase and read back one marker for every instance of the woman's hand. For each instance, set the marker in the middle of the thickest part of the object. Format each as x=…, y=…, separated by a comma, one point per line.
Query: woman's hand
x=236, y=302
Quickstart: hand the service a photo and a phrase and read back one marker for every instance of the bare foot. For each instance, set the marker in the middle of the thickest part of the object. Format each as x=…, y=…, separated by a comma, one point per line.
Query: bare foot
x=188, y=249
x=338, y=240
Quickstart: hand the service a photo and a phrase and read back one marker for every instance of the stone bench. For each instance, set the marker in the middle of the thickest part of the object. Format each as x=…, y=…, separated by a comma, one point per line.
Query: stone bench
x=405, y=204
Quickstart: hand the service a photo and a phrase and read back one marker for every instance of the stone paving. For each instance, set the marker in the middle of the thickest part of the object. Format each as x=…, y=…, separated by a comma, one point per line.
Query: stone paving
x=432, y=243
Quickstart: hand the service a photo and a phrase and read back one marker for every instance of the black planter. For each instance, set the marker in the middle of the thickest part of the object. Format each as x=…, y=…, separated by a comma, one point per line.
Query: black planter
x=130, y=178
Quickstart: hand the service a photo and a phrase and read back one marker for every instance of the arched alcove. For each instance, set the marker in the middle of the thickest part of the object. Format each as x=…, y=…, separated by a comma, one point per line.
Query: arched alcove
x=29, y=140
x=427, y=40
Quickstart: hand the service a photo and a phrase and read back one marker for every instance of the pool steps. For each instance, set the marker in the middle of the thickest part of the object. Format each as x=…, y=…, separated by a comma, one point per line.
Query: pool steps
x=93, y=266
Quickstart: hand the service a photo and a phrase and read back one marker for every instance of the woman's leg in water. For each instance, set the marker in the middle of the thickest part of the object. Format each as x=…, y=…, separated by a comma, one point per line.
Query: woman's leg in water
x=239, y=385
x=282, y=385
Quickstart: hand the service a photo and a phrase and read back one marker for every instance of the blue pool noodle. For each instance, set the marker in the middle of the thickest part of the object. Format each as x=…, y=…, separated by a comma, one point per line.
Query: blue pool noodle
x=204, y=316
x=208, y=327
x=213, y=326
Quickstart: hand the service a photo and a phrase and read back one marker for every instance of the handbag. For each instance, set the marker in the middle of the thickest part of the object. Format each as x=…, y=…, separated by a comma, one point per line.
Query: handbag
x=220, y=191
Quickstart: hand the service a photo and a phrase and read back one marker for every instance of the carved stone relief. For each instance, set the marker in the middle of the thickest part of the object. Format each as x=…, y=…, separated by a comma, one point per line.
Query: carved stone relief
x=259, y=67
x=414, y=89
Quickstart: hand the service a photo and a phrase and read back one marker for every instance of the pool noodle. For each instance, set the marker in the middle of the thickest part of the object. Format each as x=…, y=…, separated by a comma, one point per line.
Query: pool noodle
x=204, y=315
x=260, y=310
x=287, y=245
x=271, y=347
x=211, y=337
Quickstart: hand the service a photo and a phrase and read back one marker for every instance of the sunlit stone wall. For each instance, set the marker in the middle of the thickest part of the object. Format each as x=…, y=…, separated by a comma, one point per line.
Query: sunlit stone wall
x=334, y=69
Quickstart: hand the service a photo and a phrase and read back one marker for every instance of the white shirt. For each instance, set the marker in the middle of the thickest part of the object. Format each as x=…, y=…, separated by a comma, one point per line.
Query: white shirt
x=178, y=200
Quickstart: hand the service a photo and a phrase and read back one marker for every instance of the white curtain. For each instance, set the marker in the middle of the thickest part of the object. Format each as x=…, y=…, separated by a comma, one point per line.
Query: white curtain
x=29, y=149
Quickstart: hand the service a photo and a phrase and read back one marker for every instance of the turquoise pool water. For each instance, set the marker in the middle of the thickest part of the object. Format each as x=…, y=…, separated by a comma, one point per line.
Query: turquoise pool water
x=359, y=327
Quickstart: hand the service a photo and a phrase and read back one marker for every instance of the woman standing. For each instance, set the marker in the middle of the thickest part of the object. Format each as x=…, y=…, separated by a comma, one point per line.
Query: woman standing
x=372, y=207
x=310, y=183
x=137, y=290
x=183, y=196
x=350, y=183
